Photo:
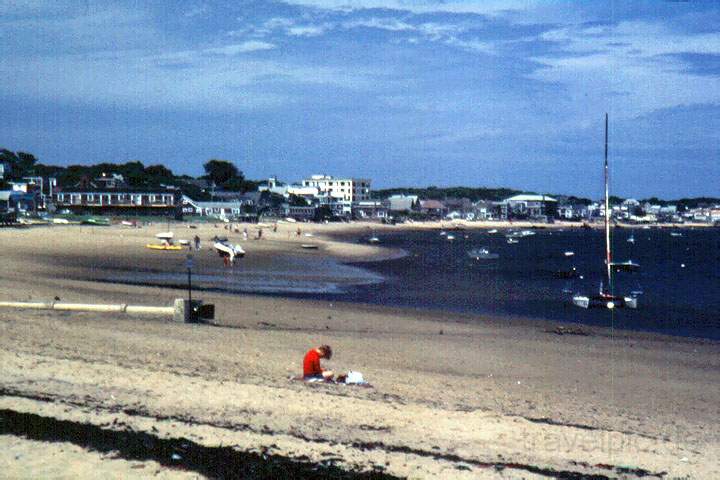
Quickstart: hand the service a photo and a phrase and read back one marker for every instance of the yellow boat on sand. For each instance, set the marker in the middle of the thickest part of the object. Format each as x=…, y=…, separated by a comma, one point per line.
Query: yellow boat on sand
x=155, y=246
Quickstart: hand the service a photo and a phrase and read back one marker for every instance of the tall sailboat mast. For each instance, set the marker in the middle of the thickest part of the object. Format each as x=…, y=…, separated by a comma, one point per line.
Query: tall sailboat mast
x=606, y=297
x=608, y=254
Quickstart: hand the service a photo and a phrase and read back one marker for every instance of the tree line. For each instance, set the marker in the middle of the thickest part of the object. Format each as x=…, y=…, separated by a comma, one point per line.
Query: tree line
x=225, y=175
x=220, y=173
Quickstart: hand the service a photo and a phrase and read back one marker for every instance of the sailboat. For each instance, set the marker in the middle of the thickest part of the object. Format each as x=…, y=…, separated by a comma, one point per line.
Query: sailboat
x=606, y=298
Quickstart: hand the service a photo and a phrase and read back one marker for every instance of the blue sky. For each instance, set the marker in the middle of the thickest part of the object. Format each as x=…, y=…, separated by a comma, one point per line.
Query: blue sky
x=455, y=92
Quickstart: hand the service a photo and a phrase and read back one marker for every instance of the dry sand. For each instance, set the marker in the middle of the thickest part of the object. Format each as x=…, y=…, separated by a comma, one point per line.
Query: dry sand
x=453, y=396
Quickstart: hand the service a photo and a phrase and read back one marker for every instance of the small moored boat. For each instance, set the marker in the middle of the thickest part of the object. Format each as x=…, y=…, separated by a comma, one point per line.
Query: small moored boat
x=482, y=254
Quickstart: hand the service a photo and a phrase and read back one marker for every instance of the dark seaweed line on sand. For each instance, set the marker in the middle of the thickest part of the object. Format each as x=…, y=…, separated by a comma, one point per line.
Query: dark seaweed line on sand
x=209, y=455
x=178, y=453
x=550, y=421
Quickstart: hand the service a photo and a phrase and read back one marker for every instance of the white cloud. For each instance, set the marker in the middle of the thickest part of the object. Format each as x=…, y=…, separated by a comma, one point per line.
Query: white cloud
x=187, y=79
x=641, y=38
x=628, y=58
x=237, y=48
x=391, y=24
x=487, y=7
x=307, y=30
x=196, y=11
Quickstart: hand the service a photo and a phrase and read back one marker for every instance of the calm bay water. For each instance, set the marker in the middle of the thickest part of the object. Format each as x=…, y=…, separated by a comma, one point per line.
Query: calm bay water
x=679, y=277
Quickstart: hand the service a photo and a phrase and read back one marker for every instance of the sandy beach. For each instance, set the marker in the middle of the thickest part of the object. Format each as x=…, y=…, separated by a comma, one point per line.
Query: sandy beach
x=88, y=395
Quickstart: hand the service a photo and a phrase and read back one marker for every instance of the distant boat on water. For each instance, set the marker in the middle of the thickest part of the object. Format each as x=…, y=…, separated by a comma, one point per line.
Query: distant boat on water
x=606, y=298
x=631, y=238
x=482, y=254
x=373, y=239
x=512, y=241
x=676, y=234
x=520, y=234
x=626, y=266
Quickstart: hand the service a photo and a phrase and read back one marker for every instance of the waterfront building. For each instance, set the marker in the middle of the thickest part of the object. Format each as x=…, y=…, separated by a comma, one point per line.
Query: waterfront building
x=572, y=212
x=433, y=208
x=273, y=185
x=340, y=189
x=483, y=210
x=300, y=212
x=530, y=206
x=121, y=201
x=231, y=209
x=371, y=210
x=403, y=203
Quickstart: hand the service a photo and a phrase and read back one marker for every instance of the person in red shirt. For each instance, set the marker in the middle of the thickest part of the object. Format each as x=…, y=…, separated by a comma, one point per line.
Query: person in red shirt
x=311, y=363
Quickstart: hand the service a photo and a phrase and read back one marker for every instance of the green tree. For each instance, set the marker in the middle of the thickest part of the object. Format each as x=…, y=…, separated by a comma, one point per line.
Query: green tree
x=221, y=171
x=297, y=201
x=21, y=164
x=235, y=184
x=157, y=174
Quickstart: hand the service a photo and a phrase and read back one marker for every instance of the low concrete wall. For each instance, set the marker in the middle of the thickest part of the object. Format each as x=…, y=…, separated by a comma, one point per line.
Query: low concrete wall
x=178, y=311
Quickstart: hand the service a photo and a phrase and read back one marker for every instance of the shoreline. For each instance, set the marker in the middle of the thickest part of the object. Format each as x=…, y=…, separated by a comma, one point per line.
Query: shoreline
x=275, y=266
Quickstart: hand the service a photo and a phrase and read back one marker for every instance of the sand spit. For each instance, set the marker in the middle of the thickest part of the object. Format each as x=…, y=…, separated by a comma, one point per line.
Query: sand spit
x=452, y=396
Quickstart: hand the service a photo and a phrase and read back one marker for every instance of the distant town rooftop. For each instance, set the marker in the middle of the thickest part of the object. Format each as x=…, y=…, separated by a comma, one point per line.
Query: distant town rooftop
x=531, y=198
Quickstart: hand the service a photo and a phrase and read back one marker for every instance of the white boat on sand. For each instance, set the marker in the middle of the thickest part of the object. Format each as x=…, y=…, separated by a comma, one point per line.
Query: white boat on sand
x=226, y=249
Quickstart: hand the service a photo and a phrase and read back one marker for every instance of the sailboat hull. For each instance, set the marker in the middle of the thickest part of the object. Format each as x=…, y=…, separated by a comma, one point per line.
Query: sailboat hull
x=602, y=301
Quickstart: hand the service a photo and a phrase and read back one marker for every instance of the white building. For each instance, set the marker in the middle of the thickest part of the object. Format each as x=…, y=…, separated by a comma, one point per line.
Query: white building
x=284, y=189
x=401, y=203
x=212, y=209
x=340, y=189
x=532, y=205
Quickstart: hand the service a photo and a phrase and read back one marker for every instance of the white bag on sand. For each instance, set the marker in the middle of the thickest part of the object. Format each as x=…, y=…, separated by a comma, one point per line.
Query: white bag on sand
x=354, y=378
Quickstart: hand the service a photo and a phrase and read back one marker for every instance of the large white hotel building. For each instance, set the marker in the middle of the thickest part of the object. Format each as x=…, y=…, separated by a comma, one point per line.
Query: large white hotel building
x=341, y=189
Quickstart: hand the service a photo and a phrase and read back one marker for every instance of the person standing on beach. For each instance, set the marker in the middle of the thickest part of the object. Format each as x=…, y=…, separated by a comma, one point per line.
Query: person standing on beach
x=311, y=363
x=197, y=242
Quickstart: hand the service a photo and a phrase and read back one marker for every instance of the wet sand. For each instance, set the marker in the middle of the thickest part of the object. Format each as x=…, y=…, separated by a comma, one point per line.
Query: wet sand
x=452, y=396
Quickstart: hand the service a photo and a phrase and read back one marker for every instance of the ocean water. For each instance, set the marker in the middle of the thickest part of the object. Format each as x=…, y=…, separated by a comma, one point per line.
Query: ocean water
x=679, y=277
